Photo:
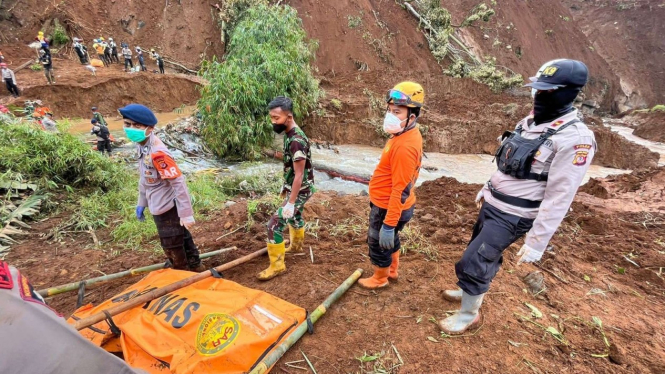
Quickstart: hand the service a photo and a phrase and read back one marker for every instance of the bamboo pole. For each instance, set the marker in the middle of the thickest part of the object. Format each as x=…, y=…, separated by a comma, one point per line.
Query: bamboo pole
x=115, y=310
x=47, y=292
x=287, y=343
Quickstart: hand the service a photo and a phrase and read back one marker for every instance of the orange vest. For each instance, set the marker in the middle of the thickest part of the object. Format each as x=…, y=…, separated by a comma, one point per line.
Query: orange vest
x=392, y=186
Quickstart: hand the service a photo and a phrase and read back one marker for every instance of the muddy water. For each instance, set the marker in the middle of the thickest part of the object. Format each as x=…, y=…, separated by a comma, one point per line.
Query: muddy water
x=627, y=133
x=82, y=126
x=467, y=168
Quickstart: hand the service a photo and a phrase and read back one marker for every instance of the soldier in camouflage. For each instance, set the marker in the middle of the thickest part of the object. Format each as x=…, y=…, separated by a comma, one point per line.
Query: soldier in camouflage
x=298, y=188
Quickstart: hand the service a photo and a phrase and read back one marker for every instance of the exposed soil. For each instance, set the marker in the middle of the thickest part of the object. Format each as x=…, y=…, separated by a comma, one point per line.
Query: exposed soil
x=629, y=36
x=618, y=152
x=649, y=126
x=592, y=243
x=77, y=90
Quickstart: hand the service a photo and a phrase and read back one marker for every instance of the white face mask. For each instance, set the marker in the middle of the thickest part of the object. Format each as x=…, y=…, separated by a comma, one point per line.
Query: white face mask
x=392, y=124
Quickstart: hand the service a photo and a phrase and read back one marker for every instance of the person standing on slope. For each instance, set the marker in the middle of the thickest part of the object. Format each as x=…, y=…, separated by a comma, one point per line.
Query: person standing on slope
x=540, y=167
x=298, y=186
x=163, y=189
x=392, y=186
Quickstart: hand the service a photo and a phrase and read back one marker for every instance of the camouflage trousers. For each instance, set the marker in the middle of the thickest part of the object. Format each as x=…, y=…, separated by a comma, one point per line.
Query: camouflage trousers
x=277, y=224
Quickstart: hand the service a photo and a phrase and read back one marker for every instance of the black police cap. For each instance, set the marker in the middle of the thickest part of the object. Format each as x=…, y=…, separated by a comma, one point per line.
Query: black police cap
x=559, y=74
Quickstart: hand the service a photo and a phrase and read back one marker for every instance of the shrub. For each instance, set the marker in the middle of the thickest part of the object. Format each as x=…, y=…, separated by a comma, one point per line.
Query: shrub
x=658, y=108
x=268, y=55
x=60, y=35
x=36, y=67
x=53, y=158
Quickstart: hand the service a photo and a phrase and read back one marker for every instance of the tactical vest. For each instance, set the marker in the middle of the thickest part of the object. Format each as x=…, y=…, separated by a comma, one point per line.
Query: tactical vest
x=103, y=132
x=516, y=154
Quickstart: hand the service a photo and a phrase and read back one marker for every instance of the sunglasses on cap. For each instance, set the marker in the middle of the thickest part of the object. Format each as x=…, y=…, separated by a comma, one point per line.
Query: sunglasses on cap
x=400, y=98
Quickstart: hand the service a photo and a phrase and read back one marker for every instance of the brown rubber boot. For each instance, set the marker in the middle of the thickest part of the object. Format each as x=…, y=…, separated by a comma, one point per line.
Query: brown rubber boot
x=378, y=280
x=297, y=237
x=392, y=275
x=276, y=267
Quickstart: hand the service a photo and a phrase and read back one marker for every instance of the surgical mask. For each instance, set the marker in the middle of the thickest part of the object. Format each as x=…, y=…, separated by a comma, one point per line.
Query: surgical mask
x=135, y=135
x=392, y=124
x=550, y=105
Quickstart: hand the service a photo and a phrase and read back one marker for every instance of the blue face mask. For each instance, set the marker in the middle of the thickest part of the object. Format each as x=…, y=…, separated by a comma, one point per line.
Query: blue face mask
x=135, y=135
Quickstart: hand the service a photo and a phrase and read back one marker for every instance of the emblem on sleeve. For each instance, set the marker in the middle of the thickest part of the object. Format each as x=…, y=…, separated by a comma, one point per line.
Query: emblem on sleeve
x=580, y=158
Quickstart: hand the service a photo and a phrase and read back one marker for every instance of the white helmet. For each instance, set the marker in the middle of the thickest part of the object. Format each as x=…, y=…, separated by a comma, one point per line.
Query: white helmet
x=540, y=71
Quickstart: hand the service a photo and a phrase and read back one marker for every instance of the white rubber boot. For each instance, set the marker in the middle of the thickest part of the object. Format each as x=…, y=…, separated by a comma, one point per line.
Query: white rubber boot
x=454, y=296
x=467, y=317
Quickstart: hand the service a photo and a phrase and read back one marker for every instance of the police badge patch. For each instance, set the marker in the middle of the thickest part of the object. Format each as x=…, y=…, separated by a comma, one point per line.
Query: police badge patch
x=580, y=158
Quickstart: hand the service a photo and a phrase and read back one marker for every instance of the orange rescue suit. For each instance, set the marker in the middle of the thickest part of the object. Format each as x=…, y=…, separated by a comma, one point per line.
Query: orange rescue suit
x=392, y=185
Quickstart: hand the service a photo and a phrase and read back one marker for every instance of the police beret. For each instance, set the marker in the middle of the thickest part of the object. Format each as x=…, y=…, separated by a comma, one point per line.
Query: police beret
x=139, y=114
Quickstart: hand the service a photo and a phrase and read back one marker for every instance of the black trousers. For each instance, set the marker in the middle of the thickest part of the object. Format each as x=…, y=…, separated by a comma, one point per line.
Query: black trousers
x=128, y=61
x=176, y=241
x=493, y=232
x=161, y=68
x=103, y=58
x=104, y=145
x=11, y=87
x=377, y=255
x=114, y=56
x=82, y=57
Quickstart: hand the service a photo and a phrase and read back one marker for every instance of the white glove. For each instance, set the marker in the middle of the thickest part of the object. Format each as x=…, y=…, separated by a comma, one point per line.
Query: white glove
x=187, y=222
x=528, y=254
x=479, y=198
x=287, y=210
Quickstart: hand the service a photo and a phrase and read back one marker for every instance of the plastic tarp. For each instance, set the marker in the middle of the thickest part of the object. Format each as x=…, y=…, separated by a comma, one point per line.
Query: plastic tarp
x=212, y=326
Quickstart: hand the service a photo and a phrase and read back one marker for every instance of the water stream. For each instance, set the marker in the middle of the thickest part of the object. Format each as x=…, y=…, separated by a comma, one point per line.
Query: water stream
x=355, y=160
x=627, y=133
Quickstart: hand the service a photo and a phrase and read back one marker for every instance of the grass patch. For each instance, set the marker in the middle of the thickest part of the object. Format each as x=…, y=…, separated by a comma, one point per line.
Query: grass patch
x=413, y=240
x=658, y=108
x=60, y=36
x=351, y=227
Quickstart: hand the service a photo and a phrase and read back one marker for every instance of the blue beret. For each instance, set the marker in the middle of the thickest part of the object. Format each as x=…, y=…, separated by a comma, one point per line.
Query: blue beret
x=139, y=114
x=94, y=120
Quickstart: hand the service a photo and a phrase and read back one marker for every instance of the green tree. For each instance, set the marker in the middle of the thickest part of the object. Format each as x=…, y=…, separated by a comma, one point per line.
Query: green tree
x=268, y=55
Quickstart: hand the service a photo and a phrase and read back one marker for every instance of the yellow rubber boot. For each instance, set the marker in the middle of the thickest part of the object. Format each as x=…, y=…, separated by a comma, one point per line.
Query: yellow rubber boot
x=297, y=239
x=276, y=267
x=392, y=275
x=378, y=280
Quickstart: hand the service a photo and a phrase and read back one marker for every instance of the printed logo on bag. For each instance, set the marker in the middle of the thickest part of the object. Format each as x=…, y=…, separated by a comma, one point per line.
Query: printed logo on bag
x=216, y=332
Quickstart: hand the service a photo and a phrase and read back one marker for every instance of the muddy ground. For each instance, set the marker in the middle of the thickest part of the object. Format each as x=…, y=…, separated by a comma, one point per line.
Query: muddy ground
x=606, y=261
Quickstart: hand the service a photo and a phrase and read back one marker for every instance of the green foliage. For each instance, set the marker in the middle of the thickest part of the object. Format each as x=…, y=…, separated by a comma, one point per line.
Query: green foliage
x=268, y=55
x=336, y=103
x=60, y=36
x=658, y=108
x=463, y=63
x=354, y=21
x=53, y=158
x=36, y=67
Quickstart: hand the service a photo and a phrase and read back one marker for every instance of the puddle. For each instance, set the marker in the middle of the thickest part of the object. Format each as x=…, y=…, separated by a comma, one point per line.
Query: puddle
x=627, y=133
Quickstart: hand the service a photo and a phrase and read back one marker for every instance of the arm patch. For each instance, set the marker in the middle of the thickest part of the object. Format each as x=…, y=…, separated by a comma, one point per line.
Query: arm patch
x=165, y=165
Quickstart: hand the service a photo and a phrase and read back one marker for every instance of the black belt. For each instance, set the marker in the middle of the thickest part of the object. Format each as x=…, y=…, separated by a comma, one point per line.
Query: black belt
x=512, y=200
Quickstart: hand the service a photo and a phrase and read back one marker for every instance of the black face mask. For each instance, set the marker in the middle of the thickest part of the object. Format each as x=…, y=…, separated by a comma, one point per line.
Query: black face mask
x=278, y=128
x=548, y=106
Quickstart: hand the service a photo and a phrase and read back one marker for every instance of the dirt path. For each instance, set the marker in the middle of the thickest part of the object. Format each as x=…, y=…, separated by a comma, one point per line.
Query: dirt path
x=586, y=275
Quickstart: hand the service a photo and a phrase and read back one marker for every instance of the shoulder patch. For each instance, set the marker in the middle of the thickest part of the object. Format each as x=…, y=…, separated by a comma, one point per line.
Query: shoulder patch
x=165, y=165
x=6, y=280
x=580, y=158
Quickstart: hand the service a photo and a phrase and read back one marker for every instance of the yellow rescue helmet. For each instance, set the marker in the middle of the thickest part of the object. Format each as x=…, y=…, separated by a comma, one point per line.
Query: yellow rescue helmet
x=409, y=94
x=102, y=39
x=40, y=33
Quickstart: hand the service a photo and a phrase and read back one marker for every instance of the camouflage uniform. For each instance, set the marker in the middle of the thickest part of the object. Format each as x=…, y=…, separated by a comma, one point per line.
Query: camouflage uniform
x=296, y=148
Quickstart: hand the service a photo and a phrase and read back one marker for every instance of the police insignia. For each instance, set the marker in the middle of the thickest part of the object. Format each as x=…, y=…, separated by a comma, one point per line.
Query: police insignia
x=580, y=158
x=549, y=71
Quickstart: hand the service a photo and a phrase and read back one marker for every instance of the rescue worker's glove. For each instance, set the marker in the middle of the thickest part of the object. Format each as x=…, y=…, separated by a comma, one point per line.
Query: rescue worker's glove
x=139, y=213
x=387, y=237
x=187, y=222
x=287, y=210
x=479, y=198
x=528, y=254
